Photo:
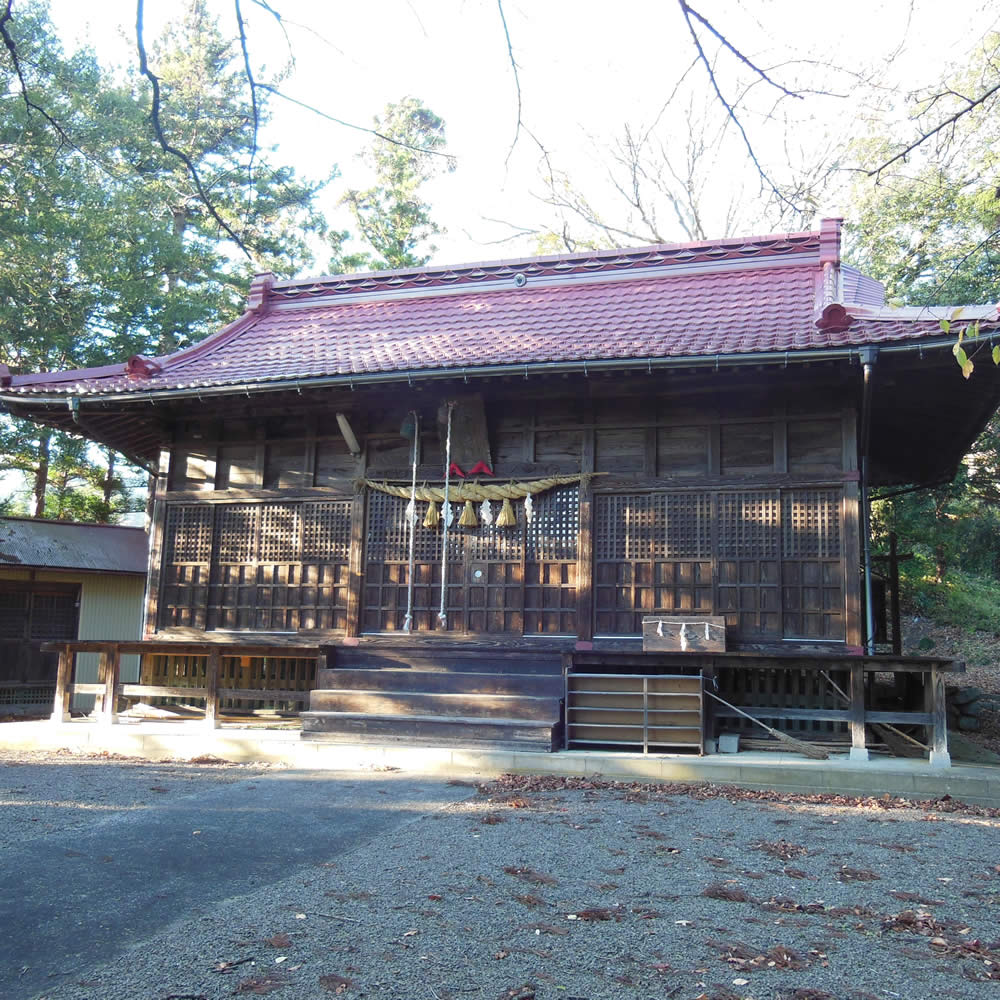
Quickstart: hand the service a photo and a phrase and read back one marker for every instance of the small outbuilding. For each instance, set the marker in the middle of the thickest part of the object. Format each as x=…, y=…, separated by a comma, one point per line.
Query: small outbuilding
x=62, y=581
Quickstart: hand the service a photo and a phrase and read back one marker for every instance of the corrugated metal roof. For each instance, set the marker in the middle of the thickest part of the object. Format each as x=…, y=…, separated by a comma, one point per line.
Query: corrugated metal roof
x=32, y=543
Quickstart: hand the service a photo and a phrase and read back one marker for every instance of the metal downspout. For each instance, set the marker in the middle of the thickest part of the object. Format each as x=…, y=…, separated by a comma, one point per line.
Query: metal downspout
x=869, y=355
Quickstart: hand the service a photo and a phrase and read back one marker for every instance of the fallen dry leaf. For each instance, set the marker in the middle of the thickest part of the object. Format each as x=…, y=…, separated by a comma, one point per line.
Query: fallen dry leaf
x=524, y=992
x=596, y=913
x=857, y=875
x=260, y=985
x=529, y=899
x=780, y=849
x=334, y=983
x=732, y=894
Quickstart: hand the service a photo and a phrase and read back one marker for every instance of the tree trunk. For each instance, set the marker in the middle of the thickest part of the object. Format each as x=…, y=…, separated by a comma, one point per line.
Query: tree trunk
x=42, y=473
x=940, y=563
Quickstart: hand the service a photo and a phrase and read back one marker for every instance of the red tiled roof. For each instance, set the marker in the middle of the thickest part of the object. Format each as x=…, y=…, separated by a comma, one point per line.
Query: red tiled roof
x=724, y=298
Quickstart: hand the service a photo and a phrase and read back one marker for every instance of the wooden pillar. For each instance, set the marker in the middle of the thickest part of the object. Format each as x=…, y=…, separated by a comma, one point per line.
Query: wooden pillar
x=859, y=750
x=158, y=487
x=64, y=680
x=585, y=548
x=934, y=702
x=212, y=689
x=108, y=672
x=355, y=566
x=851, y=551
x=567, y=668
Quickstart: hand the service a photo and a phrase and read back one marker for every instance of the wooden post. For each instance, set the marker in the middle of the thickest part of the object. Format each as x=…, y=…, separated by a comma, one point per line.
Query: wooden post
x=567, y=668
x=158, y=486
x=857, y=712
x=64, y=680
x=108, y=676
x=212, y=689
x=934, y=700
x=355, y=568
x=851, y=554
x=585, y=547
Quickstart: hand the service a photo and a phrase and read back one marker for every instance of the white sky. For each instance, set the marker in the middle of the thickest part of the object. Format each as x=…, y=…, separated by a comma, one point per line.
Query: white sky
x=586, y=68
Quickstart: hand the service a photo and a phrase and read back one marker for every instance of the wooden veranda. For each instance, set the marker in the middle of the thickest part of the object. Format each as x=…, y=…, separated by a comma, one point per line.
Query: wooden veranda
x=532, y=696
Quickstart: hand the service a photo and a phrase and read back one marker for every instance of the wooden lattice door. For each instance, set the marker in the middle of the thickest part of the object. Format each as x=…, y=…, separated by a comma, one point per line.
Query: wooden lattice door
x=513, y=581
x=770, y=561
x=652, y=551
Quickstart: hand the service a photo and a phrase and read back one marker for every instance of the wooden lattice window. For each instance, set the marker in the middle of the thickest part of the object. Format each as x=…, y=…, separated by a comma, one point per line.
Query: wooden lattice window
x=326, y=531
x=39, y=612
x=551, y=553
x=188, y=533
x=259, y=567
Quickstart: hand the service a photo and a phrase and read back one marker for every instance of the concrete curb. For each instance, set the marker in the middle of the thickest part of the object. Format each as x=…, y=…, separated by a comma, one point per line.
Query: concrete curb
x=915, y=779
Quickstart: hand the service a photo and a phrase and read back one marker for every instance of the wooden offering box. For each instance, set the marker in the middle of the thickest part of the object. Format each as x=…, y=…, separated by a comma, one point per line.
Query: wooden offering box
x=684, y=633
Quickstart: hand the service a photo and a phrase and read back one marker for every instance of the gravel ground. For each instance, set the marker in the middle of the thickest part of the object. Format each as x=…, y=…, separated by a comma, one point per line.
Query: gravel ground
x=553, y=888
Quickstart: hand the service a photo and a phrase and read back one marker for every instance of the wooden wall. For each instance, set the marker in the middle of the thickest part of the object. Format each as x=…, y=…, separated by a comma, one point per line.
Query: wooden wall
x=731, y=496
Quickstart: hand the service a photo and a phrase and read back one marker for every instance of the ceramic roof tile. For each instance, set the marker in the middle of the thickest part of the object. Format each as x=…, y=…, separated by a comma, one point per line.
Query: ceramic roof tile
x=646, y=303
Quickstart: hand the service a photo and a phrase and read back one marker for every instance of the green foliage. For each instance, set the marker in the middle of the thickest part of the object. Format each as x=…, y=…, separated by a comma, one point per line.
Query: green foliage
x=390, y=216
x=965, y=599
x=929, y=225
x=106, y=249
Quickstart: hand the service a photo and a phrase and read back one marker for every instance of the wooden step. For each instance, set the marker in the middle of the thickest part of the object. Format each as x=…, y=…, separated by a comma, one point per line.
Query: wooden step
x=537, y=685
x=467, y=659
x=436, y=704
x=473, y=733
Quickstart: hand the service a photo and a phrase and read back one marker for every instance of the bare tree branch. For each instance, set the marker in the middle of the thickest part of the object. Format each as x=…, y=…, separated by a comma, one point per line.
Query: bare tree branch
x=253, y=89
x=688, y=12
x=357, y=128
x=950, y=121
x=29, y=104
x=517, y=81
x=154, y=117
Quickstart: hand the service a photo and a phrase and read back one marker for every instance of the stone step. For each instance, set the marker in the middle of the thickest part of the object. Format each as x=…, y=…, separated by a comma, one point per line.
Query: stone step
x=430, y=681
x=435, y=704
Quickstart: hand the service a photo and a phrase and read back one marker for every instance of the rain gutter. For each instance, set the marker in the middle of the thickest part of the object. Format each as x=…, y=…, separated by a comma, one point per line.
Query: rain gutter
x=869, y=356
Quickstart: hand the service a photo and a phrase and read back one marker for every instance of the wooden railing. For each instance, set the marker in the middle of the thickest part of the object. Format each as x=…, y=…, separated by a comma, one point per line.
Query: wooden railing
x=853, y=710
x=212, y=672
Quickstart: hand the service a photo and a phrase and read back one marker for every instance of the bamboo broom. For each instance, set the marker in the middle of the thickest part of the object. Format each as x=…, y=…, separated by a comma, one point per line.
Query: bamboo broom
x=817, y=753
